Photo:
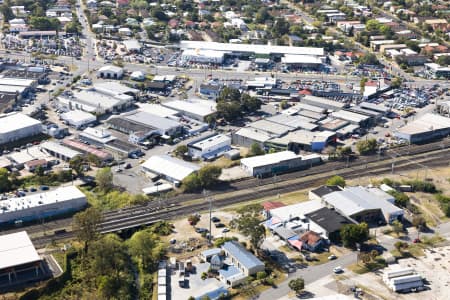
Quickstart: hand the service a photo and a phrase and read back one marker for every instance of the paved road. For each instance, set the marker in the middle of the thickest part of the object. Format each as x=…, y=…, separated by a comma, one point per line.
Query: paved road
x=309, y=274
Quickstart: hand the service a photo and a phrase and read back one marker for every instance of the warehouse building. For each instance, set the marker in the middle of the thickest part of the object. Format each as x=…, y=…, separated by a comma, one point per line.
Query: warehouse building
x=276, y=163
x=172, y=169
x=19, y=260
x=249, y=49
x=141, y=125
x=59, y=151
x=17, y=126
x=196, y=109
x=247, y=136
x=96, y=136
x=203, y=56
x=363, y=205
x=303, y=140
x=78, y=118
x=110, y=72
x=113, y=88
x=302, y=62
x=354, y=118
x=103, y=156
x=93, y=101
x=44, y=205
x=122, y=149
x=427, y=127
x=296, y=122
x=209, y=147
x=329, y=221
x=323, y=103
x=158, y=110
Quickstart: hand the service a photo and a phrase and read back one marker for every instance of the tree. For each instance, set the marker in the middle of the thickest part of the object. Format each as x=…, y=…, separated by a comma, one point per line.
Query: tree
x=373, y=25
x=297, y=285
x=85, y=225
x=192, y=183
x=396, y=82
x=284, y=104
x=397, y=227
x=368, y=59
x=419, y=222
x=368, y=146
x=5, y=183
x=44, y=23
x=193, y=220
x=351, y=234
x=261, y=275
x=336, y=180
x=77, y=164
x=362, y=84
x=209, y=175
x=280, y=27
x=6, y=12
x=143, y=245
x=401, y=199
x=104, y=179
x=251, y=227
x=343, y=151
x=262, y=15
x=255, y=150
x=181, y=150
x=39, y=171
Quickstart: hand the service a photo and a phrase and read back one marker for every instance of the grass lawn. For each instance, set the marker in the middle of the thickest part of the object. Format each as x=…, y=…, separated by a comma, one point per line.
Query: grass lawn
x=319, y=258
x=361, y=268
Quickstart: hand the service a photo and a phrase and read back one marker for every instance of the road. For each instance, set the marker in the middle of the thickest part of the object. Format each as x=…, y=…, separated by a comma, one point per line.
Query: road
x=309, y=274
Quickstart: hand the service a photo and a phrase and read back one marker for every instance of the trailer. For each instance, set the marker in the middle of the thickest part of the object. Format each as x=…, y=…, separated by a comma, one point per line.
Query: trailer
x=397, y=273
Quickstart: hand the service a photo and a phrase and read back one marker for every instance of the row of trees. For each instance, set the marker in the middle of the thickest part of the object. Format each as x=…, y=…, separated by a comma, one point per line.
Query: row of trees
x=105, y=266
x=232, y=104
x=206, y=177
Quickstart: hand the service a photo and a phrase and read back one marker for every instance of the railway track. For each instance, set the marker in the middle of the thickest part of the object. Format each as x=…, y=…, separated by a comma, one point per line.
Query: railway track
x=140, y=216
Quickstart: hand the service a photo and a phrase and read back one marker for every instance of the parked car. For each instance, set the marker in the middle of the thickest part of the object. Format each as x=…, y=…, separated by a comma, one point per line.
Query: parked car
x=332, y=257
x=215, y=219
x=44, y=188
x=225, y=230
x=338, y=270
x=219, y=225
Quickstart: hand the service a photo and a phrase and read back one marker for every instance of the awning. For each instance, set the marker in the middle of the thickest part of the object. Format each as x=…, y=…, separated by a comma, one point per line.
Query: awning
x=296, y=244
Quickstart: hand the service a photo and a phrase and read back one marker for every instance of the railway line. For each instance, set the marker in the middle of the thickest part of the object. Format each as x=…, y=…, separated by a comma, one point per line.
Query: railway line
x=144, y=215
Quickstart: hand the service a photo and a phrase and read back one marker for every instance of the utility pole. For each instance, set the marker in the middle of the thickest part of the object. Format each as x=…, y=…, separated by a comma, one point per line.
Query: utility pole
x=207, y=198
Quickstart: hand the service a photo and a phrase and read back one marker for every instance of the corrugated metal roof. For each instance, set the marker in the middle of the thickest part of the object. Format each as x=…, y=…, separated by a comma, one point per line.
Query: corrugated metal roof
x=244, y=257
x=17, y=249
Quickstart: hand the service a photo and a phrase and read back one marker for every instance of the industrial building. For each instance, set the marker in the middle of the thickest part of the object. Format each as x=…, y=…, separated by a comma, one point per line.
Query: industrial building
x=110, y=72
x=301, y=62
x=158, y=110
x=279, y=162
x=122, y=149
x=18, y=260
x=354, y=118
x=247, y=136
x=114, y=88
x=172, y=169
x=102, y=155
x=364, y=205
x=323, y=103
x=39, y=206
x=141, y=125
x=16, y=126
x=94, y=101
x=203, y=56
x=428, y=127
x=209, y=147
x=296, y=141
x=96, y=136
x=78, y=118
x=249, y=49
x=59, y=151
x=196, y=109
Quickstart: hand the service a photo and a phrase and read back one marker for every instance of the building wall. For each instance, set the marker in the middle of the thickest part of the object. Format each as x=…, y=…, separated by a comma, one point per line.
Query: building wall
x=210, y=151
x=20, y=133
x=281, y=167
x=44, y=211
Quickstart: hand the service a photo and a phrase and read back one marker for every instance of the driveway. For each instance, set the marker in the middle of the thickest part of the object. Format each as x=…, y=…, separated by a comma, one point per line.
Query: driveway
x=309, y=274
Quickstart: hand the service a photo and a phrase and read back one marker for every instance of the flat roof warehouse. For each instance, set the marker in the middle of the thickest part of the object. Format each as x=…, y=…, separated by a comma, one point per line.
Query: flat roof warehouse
x=247, y=48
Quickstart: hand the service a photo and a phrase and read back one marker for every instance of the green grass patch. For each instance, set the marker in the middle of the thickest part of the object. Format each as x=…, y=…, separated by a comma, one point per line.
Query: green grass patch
x=319, y=258
x=360, y=268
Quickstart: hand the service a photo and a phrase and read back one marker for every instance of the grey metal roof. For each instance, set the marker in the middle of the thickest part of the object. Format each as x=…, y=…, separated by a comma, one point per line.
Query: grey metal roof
x=244, y=257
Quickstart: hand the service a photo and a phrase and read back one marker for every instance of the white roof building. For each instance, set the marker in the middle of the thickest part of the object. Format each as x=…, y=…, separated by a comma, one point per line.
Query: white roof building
x=158, y=110
x=59, y=151
x=301, y=59
x=299, y=210
x=249, y=48
x=132, y=45
x=194, y=108
x=16, y=126
x=78, y=118
x=97, y=135
x=17, y=249
x=113, y=88
x=171, y=168
x=42, y=205
x=17, y=82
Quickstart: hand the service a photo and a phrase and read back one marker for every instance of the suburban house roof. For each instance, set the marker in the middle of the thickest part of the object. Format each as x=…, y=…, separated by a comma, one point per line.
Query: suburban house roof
x=272, y=205
x=244, y=257
x=310, y=237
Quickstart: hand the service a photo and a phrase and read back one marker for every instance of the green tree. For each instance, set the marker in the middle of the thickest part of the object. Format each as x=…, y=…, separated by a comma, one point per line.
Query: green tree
x=209, y=175
x=343, y=151
x=373, y=25
x=261, y=275
x=229, y=110
x=297, y=285
x=280, y=27
x=104, y=179
x=397, y=227
x=351, y=234
x=39, y=171
x=181, y=150
x=44, y=23
x=401, y=199
x=368, y=59
x=193, y=219
x=396, y=82
x=252, y=228
x=145, y=247
x=336, y=180
x=284, y=104
x=77, y=164
x=192, y=183
x=366, y=147
x=85, y=225
x=419, y=222
x=5, y=183
x=262, y=15
x=255, y=150
x=7, y=12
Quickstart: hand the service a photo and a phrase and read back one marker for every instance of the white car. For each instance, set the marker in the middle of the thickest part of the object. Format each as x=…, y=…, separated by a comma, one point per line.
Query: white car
x=338, y=270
